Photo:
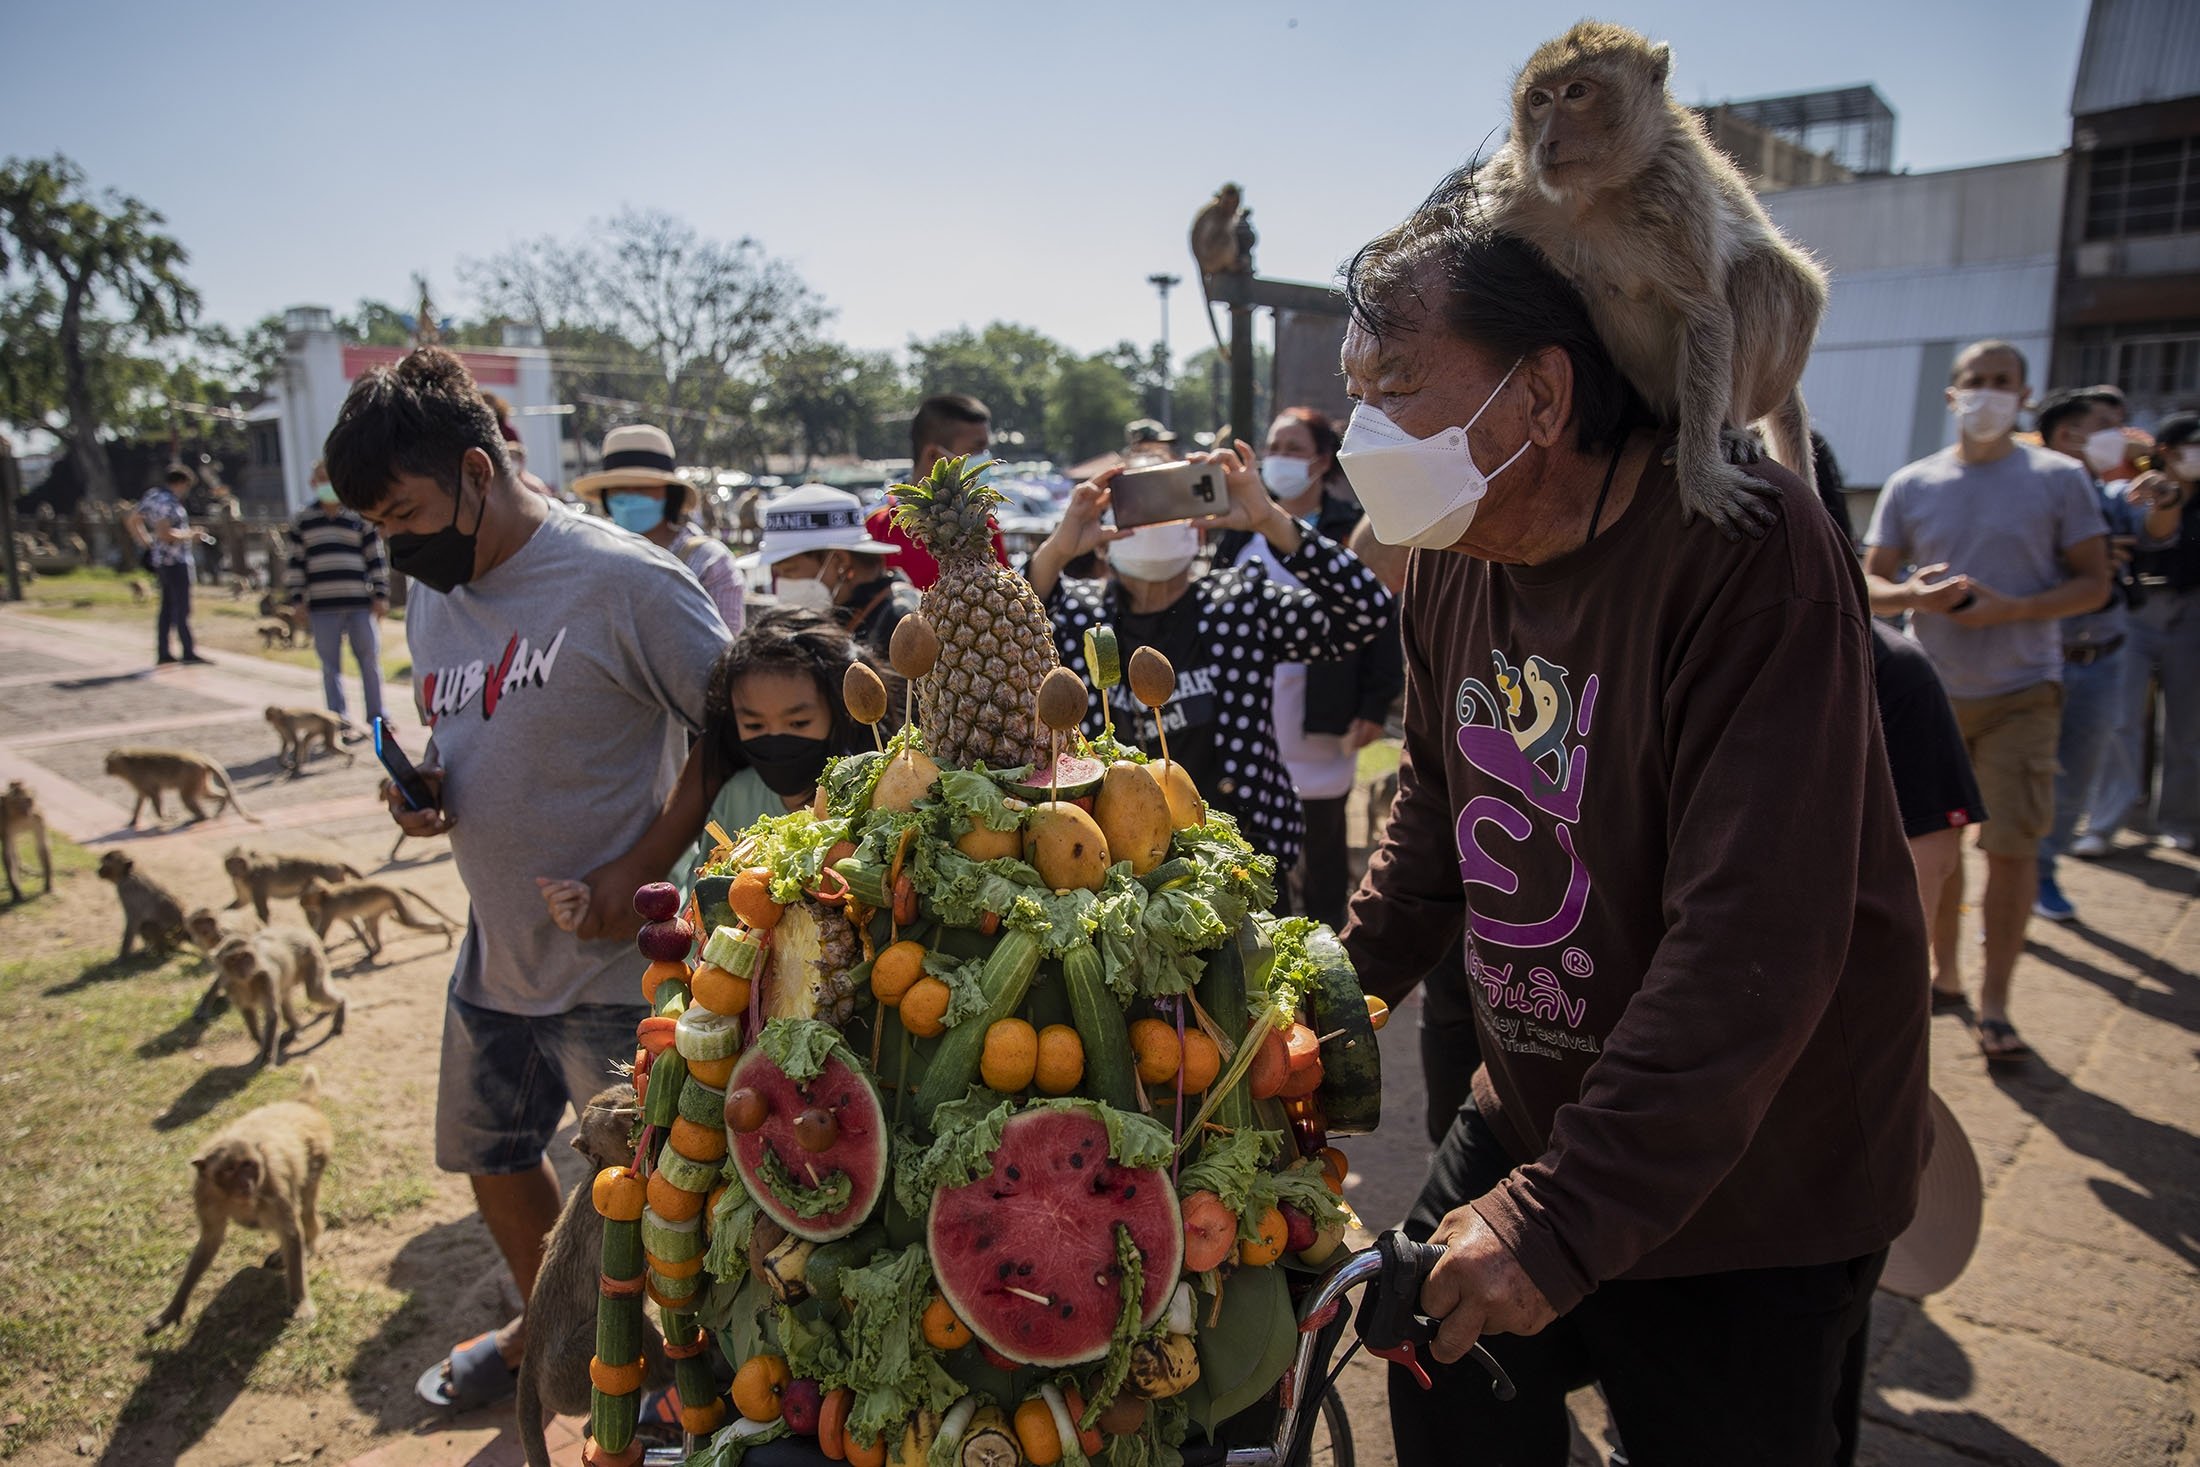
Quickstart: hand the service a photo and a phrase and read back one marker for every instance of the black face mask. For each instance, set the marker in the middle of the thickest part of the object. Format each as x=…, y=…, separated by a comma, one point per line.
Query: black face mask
x=789, y=764
x=444, y=560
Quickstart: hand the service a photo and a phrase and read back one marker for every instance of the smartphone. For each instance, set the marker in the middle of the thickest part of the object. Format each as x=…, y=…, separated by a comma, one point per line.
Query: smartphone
x=1168, y=493
x=402, y=774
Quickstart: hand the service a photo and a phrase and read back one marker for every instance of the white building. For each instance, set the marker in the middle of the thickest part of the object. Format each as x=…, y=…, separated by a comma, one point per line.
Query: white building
x=319, y=367
x=1922, y=265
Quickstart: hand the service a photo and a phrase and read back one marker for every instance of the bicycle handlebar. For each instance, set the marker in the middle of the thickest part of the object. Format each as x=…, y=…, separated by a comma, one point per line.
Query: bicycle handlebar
x=1390, y=1321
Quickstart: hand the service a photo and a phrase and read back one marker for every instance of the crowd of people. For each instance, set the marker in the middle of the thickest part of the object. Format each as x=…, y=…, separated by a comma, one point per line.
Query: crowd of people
x=1656, y=978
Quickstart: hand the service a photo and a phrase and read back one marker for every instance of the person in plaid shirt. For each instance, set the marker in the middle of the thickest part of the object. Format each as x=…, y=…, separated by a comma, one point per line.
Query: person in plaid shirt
x=162, y=526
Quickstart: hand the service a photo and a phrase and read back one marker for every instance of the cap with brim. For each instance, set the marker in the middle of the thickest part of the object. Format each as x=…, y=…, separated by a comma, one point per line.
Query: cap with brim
x=815, y=517
x=637, y=456
x=1936, y=1247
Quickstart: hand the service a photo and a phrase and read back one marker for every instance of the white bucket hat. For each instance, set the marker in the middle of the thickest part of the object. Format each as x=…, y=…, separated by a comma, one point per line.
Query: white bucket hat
x=637, y=456
x=814, y=517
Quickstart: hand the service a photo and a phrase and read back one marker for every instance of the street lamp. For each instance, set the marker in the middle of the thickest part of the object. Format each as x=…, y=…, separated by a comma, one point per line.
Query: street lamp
x=1162, y=284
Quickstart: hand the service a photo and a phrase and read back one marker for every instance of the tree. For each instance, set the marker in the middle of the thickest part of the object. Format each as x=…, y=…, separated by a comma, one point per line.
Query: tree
x=1201, y=395
x=646, y=291
x=834, y=400
x=1008, y=368
x=1087, y=406
x=84, y=253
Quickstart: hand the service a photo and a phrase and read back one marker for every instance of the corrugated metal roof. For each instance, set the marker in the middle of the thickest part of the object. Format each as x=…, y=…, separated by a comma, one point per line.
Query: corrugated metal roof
x=2137, y=51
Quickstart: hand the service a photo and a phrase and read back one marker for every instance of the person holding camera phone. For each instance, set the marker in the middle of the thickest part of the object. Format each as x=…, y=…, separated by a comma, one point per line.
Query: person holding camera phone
x=2165, y=639
x=1223, y=631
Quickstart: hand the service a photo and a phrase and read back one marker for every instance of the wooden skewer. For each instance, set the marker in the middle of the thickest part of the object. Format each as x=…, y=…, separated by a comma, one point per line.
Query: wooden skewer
x=1054, y=764
x=1039, y=1299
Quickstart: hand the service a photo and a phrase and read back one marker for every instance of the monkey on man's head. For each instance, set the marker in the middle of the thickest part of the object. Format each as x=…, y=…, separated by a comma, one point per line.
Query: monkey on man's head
x=1703, y=304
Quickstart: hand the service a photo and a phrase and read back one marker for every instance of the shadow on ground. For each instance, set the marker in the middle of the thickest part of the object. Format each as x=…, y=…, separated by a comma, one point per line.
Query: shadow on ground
x=193, y=1382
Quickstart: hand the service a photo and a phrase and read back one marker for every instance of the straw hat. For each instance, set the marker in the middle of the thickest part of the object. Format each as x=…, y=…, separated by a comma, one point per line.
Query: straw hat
x=813, y=517
x=1934, y=1250
x=637, y=456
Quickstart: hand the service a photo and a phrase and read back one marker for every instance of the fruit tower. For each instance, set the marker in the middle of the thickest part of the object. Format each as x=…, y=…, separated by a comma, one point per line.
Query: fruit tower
x=991, y=1122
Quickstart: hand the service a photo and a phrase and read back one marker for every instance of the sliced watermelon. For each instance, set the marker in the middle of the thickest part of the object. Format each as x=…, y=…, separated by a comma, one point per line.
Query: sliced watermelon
x=1026, y=1255
x=1076, y=776
x=785, y=1179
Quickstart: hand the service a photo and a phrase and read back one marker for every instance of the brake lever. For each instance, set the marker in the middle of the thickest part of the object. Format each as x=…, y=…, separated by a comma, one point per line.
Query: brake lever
x=1390, y=1322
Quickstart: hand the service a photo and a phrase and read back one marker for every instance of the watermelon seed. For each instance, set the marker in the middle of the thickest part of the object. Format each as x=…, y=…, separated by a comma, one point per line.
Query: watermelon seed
x=1005, y=1271
x=1023, y=1270
x=1068, y=1310
x=1015, y=1173
x=1130, y=1191
x=985, y=1241
x=1076, y=1161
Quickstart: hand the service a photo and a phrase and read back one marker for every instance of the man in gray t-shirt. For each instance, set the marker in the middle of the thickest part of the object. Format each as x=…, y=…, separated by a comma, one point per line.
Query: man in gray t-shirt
x=1988, y=545
x=559, y=664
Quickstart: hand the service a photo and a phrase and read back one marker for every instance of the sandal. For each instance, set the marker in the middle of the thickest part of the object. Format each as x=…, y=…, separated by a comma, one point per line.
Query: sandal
x=472, y=1376
x=1950, y=1003
x=2006, y=1048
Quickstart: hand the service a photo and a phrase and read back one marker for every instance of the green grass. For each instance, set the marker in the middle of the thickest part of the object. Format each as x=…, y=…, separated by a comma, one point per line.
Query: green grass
x=104, y=1105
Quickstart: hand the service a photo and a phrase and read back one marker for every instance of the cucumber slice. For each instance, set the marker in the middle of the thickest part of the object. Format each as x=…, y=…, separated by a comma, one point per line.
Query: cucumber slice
x=1102, y=659
x=703, y=1035
x=736, y=950
x=689, y=1175
x=674, y=1242
x=702, y=1104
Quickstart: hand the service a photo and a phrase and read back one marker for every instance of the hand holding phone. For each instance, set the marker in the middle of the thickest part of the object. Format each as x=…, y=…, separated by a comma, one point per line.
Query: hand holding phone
x=1169, y=494
x=415, y=796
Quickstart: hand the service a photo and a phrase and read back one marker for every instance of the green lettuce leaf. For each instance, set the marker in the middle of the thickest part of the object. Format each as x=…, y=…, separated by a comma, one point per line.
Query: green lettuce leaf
x=968, y=1131
x=732, y=1443
x=973, y=798
x=1293, y=976
x=1117, y=1365
x=965, y=985
x=891, y=1369
x=792, y=847
x=1059, y=920
x=800, y=1047
x=731, y=1223
x=812, y=1347
x=849, y=780
x=961, y=890
x=1228, y=1166
x=736, y=1310
x=829, y=1195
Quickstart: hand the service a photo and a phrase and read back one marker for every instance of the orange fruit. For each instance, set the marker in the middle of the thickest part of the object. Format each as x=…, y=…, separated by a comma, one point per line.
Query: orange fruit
x=718, y=990
x=669, y=1202
x=1202, y=1062
x=1334, y=1167
x=619, y=1194
x=1154, y=1042
x=1061, y=1060
x=657, y=973
x=924, y=1007
x=615, y=1379
x=686, y=1268
x=713, y=1073
x=702, y=1420
x=1035, y=1433
x=751, y=900
x=697, y=1142
x=895, y=970
x=863, y=1454
x=943, y=1330
x=1011, y=1056
x=757, y=1386
x=1268, y=1247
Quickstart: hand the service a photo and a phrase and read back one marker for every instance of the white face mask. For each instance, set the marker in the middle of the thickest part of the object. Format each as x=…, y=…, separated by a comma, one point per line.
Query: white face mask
x=2104, y=451
x=2185, y=463
x=1154, y=552
x=1286, y=478
x=1417, y=491
x=807, y=592
x=1984, y=413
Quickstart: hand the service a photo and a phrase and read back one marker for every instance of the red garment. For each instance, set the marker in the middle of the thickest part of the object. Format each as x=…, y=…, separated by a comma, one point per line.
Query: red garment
x=914, y=561
x=1648, y=776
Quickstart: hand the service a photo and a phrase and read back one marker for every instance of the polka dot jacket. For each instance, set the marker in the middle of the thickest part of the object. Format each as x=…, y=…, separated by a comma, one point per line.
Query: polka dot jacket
x=1249, y=622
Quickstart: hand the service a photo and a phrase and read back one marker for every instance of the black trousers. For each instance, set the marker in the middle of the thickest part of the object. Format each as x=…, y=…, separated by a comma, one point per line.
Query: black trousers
x=1752, y=1368
x=1451, y=1045
x=175, y=607
x=1324, y=863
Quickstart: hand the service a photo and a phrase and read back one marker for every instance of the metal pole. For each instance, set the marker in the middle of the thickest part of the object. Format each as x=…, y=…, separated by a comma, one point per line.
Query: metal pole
x=9, y=484
x=1241, y=337
x=1162, y=283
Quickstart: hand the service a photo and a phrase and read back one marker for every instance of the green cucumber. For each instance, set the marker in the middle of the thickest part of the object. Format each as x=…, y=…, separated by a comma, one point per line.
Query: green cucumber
x=1351, y=1095
x=735, y=949
x=1111, y=1076
x=622, y=1250
x=687, y=1174
x=702, y=1104
x=703, y=1035
x=1222, y=993
x=1007, y=978
x=680, y=1291
x=866, y=881
x=674, y=1242
x=672, y=999
x=829, y=1261
x=1175, y=872
x=691, y=1374
x=667, y=1075
x=1103, y=659
x=611, y=1419
x=619, y=1330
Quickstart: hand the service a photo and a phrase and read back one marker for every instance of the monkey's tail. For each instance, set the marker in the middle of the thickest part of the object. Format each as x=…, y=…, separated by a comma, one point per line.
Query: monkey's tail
x=1787, y=434
x=1222, y=348
x=431, y=906
x=229, y=793
x=527, y=1406
x=309, y=1086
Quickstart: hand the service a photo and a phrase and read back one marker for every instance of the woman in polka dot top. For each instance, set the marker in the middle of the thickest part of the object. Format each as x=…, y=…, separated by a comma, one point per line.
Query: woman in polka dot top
x=1224, y=631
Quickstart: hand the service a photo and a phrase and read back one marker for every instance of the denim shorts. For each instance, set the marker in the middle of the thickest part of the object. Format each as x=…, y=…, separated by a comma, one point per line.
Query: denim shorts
x=507, y=1078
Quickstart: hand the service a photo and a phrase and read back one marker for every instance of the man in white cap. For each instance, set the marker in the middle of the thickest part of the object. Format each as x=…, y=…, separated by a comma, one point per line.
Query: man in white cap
x=637, y=488
x=821, y=557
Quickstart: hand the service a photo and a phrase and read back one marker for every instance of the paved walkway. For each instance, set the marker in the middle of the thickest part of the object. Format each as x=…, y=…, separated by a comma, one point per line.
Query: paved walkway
x=2074, y=1338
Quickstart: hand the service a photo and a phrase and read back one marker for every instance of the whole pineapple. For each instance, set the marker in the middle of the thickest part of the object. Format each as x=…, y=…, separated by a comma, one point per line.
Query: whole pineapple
x=996, y=643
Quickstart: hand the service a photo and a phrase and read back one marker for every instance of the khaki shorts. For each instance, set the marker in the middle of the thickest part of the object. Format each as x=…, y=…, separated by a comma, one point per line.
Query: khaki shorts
x=2012, y=739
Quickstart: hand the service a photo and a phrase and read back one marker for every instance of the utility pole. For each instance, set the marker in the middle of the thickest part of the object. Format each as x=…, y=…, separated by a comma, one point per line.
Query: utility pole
x=1162, y=283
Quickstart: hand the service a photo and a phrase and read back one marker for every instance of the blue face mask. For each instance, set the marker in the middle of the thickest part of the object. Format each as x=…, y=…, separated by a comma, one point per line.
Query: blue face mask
x=639, y=513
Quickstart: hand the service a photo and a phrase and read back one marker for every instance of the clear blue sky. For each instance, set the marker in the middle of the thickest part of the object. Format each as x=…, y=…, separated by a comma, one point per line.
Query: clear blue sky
x=923, y=165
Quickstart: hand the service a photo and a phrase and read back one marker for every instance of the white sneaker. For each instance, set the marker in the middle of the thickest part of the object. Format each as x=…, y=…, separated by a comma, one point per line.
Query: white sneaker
x=2090, y=847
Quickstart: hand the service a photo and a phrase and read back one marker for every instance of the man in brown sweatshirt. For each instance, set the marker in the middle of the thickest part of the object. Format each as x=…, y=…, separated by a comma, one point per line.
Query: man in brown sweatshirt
x=1644, y=771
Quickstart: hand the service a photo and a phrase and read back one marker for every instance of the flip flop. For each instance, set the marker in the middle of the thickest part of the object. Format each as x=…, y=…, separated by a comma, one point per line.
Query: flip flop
x=2008, y=1048
x=1950, y=1003
x=474, y=1375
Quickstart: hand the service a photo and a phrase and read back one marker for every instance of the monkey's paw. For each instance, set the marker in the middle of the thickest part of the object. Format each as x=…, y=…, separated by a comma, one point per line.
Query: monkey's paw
x=1733, y=501
x=1740, y=446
